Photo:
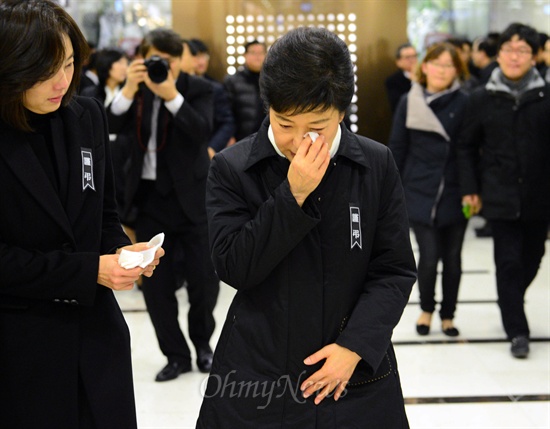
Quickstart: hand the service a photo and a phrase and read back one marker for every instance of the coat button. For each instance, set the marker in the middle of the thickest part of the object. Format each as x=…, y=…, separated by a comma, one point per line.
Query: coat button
x=57, y=300
x=520, y=180
x=319, y=199
x=73, y=302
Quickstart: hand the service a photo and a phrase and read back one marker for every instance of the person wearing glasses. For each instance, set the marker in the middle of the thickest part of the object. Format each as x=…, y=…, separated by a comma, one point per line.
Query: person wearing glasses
x=504, y=154
x=423, y=141
x=399, y=83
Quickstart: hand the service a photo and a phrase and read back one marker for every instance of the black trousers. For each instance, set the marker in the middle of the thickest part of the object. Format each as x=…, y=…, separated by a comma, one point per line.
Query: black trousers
x=186, y=257
x=434, y=244
x=518, y=250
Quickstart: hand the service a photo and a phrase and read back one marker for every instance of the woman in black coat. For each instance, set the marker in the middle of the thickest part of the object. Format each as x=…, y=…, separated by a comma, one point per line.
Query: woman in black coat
x=313, y=234
x=111, y=66
x=64, y=344
x=423, y=141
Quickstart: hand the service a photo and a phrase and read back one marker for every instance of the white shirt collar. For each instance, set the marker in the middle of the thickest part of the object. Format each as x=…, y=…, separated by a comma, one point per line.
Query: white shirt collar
x=333, y=148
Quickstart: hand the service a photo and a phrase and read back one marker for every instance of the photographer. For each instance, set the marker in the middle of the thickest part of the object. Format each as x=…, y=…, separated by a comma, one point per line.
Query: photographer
x=168, y=114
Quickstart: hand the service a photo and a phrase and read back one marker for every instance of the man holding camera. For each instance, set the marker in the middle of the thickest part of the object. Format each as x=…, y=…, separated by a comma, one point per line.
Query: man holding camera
x=169, y=116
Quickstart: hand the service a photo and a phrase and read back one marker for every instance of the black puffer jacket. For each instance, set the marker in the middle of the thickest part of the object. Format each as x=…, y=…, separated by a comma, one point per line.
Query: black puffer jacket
x=504, y=150
x=244, y=93
x=423, y=142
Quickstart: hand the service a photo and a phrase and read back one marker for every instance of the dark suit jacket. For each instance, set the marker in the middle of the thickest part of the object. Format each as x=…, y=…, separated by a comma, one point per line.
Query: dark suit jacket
x=396, y=86
x=182, y=141
x=57, y=325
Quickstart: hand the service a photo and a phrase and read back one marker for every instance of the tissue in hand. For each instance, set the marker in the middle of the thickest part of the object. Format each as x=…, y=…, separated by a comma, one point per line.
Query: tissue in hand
x=129, y=259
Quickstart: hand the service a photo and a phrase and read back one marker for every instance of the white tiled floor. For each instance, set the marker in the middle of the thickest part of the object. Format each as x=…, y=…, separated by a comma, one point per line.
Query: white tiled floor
x=477, y=364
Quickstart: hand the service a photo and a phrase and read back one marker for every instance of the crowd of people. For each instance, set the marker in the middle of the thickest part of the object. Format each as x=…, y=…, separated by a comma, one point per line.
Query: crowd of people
x=470, y=136
x=306, y=220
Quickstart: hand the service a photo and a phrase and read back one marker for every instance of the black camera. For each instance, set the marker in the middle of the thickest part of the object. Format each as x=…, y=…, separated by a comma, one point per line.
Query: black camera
x=157, y=68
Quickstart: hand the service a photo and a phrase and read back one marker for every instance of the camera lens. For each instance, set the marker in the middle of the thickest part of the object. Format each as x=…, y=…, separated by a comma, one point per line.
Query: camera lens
x=157, y=69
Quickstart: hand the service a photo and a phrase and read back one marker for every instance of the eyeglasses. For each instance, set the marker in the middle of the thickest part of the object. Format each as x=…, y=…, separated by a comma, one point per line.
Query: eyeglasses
x=409, y=57
x=522, y=52
x=441, y=66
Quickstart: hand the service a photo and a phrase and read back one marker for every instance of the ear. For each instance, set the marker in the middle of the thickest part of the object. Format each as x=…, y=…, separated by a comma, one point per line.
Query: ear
x=424, y=67
x=341, y=118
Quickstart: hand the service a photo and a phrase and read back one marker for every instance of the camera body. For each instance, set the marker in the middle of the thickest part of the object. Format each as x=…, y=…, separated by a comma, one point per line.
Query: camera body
x=157, y=68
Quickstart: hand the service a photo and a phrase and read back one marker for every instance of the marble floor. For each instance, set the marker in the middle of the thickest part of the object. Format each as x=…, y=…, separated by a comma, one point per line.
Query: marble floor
x=468, y=382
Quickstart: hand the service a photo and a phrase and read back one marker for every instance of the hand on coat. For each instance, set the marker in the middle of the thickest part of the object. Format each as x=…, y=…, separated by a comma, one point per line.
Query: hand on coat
x=308, y=167
x=113, y=276
x=334, y=374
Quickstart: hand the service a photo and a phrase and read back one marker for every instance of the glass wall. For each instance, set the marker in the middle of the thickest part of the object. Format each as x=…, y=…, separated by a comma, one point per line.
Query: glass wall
x=120, y=23
x=432, y=20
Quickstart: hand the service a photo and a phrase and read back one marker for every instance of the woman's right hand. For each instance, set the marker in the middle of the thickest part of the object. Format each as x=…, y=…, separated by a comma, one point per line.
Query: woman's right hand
x=113, y=276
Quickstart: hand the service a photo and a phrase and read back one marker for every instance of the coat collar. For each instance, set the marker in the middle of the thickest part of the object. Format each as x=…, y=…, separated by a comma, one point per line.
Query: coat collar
x=20, y=157
x=261, y=147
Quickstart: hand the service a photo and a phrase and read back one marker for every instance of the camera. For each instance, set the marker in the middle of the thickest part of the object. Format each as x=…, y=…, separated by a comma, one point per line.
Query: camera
x=157, y=68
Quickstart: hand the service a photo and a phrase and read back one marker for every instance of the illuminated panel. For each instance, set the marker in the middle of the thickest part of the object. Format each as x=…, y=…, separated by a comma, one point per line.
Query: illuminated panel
x=266, y=29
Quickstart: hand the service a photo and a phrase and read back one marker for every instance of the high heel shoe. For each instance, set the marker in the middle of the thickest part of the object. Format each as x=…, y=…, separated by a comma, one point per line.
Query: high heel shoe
x=423, y=329
x=451, y=332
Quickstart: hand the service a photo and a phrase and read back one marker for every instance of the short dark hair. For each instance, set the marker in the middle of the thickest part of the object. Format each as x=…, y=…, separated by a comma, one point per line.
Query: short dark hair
x=200, y=46
x=524, y=32
x=487, y=45
x=32, y=50
x=307, y=70
x=400, y=48
x=191, y=46
x=164, y=40
x=252, y=43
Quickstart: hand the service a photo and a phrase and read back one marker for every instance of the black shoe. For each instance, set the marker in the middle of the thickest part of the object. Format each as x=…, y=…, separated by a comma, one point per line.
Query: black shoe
x=484, y=231
x=451, y=332
x=204, y=359
x=423, y=329
x=172, y=370
x=520, y=347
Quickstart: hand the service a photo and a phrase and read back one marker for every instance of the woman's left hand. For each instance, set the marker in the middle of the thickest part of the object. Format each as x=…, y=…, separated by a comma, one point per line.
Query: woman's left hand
x=138, y=247
x=334, y=374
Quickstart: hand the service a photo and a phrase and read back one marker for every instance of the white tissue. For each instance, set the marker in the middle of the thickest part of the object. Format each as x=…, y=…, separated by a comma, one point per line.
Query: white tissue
x=313, y=136
x=129, y=259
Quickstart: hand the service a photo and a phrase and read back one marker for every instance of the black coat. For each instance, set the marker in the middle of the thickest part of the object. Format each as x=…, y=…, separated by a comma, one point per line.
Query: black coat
x=182, y=143
x=397, y=85
x=244, y=94
x=504, y=153
x=224, y=123
x=301, y=285
x=427, y=159
x=58, y=327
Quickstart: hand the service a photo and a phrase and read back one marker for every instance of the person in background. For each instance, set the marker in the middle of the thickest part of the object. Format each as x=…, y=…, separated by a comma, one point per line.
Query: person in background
x=541, y=65
x=399, y=83
x=111, y=67
x=423, y=141
x=88, y=75
x=462, y=46
x=484, y=51
x=547, y=59
x=224, y=123
x=168, y=115
x=308, y=222
x=64, y=344
x=504, y=154
x=243, y=89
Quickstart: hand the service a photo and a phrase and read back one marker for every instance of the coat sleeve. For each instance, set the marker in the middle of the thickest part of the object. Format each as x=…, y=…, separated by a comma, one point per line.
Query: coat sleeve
x=399, y=137
x=246, y=247
x=195, y=117
x=390, y=277
x=224, y=123
x=469, y=146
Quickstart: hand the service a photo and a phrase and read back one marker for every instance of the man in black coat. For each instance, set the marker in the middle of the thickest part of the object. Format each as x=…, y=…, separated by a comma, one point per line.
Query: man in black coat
x=399, y=83
x=504, y=154
x=169, y=115
x=244, y=91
